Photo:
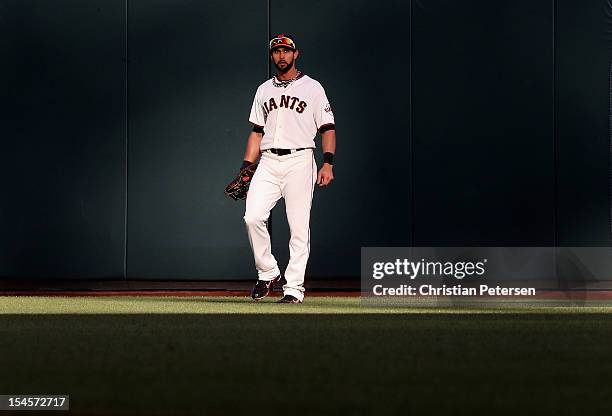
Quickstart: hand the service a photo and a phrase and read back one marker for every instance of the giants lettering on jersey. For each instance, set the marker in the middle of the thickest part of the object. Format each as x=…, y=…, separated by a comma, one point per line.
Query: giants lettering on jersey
x=297, y=114
x=286, y=101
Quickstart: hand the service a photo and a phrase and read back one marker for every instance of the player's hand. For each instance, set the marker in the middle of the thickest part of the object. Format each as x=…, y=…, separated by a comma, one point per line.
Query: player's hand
x=326, y=175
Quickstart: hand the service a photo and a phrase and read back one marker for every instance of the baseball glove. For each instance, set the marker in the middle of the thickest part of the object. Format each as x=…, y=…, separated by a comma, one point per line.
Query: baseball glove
x=238, y=188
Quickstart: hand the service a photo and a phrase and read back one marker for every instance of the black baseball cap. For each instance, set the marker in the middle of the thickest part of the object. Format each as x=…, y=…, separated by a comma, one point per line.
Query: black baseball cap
x=284, y=40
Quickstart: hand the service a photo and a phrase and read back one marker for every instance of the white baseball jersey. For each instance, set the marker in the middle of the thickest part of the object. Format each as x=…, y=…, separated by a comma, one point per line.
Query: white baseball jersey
x=292, y=115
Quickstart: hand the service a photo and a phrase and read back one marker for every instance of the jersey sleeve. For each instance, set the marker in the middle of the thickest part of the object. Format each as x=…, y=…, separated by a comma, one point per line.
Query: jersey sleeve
x=257, y=115
x=324, y=117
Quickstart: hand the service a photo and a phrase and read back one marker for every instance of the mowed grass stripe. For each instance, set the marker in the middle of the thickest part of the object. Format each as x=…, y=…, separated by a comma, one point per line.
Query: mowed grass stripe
x=244, y=305
x=324, y=363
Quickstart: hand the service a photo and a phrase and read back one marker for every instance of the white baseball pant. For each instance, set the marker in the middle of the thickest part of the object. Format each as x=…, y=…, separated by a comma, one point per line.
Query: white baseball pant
x=292, y=177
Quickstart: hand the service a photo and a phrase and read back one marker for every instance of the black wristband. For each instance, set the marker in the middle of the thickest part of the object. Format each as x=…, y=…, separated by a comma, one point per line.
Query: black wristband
x=328, y=157
x=245, y=163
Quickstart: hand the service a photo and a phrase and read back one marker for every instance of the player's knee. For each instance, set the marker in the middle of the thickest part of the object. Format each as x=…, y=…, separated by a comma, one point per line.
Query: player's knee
x=253, y=220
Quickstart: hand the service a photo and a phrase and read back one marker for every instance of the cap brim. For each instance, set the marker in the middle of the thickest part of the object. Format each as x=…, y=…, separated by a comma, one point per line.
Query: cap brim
x=282, y=46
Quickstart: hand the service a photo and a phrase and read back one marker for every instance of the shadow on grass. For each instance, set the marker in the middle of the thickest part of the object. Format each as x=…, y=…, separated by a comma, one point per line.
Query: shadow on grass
x=314, y=364
x=206, y=299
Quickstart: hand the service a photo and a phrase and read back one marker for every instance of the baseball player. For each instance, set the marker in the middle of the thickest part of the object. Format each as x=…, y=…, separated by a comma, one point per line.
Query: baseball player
x=288, y=111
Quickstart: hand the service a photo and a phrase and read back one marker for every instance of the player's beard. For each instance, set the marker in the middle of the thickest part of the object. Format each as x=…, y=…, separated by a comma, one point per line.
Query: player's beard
x=285, y=69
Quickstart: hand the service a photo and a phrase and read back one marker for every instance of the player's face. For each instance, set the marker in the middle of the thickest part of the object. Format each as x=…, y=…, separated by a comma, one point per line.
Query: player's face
x=284, y=59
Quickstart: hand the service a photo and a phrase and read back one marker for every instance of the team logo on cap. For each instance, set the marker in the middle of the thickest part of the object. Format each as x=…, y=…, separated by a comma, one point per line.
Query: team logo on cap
x=282, y=40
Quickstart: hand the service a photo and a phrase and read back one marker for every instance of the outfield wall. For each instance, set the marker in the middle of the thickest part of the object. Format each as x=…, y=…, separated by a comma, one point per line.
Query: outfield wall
x=472, y=123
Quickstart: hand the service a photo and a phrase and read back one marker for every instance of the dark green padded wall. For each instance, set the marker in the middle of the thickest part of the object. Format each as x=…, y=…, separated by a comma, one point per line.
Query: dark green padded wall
x=482, y=151
x=194, y=68
x=63, y=126
x=360, y=52
x=483, y=122
x=581, y=107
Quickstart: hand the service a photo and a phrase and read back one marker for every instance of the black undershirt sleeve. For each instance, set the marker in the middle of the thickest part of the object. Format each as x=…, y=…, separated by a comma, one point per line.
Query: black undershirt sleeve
x=327, y=127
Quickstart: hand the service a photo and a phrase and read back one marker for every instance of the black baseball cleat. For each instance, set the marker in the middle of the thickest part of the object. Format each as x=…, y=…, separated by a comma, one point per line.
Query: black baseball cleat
x=278, y=287
x=289, y=299
x=262, y=288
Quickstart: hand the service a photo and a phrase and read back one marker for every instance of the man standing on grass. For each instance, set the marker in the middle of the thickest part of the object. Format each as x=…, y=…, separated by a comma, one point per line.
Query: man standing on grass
x=288, y=111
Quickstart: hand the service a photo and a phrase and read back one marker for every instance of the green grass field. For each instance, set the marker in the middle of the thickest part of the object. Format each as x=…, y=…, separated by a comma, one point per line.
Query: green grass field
x=218, y=356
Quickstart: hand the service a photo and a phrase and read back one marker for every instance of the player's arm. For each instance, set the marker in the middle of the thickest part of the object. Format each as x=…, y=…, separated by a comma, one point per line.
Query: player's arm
x=328, y=143
x=253, y=146
x=258, y=119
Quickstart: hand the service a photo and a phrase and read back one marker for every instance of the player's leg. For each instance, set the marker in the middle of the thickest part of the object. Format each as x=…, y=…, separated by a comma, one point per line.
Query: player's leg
x=298, y=186
x=264, y=193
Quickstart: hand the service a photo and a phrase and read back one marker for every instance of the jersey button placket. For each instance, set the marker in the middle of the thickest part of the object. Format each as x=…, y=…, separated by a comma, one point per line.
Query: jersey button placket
x=279, y=126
